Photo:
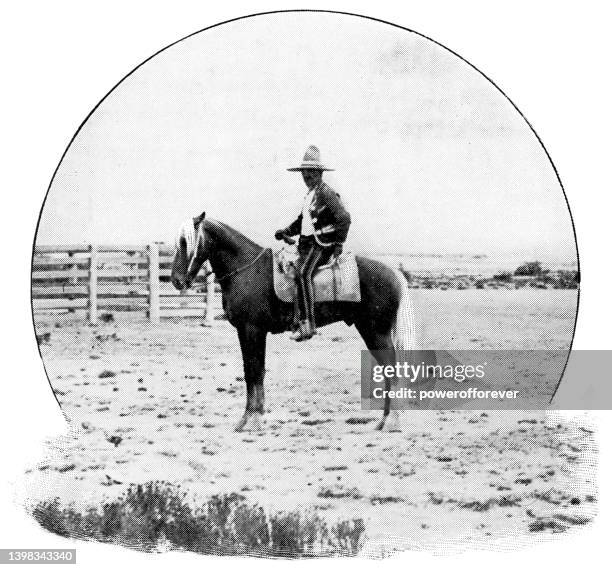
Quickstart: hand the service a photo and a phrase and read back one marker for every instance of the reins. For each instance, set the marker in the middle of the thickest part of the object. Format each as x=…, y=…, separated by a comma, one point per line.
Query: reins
x=240, y=269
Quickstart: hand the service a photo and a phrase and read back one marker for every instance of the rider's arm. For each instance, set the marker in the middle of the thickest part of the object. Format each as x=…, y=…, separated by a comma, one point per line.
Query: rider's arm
x=341, y=219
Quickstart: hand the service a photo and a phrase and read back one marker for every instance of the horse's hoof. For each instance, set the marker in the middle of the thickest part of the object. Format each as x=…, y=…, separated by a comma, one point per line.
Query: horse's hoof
x=390, y=423
x=250, y=422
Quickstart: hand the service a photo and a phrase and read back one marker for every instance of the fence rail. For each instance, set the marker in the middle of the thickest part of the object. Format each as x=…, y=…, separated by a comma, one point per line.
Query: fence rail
x=97, y=278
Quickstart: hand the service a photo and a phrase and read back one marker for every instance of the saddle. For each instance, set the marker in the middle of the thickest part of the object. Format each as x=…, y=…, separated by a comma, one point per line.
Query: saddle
x=336, y=281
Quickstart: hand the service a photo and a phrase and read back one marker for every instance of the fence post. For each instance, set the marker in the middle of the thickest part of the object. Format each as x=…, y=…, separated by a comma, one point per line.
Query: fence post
x=93, y=284
x=154, y=282
x=210, y=295
x=74, y=280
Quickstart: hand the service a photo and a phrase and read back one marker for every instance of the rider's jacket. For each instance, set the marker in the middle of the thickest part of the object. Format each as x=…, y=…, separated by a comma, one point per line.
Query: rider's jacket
x=330, y=219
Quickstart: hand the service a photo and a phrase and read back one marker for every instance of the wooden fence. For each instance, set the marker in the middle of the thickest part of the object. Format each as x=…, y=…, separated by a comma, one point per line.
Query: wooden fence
x=101, y=279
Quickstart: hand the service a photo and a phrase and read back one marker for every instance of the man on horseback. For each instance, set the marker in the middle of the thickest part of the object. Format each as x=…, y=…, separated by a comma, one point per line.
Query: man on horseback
x=323, y=226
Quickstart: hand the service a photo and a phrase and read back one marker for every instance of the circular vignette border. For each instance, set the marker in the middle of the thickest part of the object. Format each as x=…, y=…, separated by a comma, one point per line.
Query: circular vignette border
x=257, y=14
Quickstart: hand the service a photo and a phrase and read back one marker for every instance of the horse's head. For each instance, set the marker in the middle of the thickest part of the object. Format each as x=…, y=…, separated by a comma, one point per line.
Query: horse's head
x=191, y=252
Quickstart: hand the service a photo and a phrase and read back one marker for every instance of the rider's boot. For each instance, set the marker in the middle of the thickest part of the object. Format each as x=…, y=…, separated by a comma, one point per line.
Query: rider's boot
x=304, y=331
x=310, y=307
x=311, y=319
x=295, y=323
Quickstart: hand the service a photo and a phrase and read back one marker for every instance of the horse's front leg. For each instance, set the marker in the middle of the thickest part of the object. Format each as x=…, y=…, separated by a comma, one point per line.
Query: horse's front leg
x=253, y=346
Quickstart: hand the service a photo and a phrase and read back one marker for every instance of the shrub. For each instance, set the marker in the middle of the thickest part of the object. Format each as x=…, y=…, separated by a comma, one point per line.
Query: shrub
x=568, y=279
x=49, y=515
x=529, y=269
x=146, y=515
x=504, y=277
x=348, y=535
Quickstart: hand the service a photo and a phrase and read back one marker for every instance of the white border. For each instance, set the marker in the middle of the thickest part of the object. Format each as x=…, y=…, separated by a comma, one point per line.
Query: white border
x=59, y=58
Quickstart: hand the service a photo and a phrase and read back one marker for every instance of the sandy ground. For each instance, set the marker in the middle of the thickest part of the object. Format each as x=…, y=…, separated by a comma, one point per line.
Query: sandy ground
x=160, y=403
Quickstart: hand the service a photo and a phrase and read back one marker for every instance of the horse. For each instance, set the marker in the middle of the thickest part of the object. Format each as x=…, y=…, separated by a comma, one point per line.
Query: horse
x=244, y=270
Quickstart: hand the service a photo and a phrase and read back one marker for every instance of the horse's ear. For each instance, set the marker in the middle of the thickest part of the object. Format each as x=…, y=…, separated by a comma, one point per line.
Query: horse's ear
x=197, y=220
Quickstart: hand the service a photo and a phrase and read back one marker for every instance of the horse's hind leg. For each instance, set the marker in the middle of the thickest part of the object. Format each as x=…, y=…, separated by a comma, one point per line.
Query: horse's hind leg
x=384, y=355
x=253, y=346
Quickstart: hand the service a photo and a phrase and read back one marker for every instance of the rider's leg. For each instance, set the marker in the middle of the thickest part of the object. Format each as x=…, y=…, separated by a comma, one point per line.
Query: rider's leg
x=312, y=262
x=305, y=249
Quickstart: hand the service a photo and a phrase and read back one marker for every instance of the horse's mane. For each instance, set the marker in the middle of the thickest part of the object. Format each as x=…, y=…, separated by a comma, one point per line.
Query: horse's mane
x=231, y=236
x=235, y=234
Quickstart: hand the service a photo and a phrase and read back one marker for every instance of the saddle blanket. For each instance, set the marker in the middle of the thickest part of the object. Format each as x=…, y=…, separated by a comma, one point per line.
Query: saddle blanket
x=337, y=281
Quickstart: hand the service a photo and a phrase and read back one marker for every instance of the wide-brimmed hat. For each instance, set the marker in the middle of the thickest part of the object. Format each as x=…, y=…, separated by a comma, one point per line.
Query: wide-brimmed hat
x=312, y=161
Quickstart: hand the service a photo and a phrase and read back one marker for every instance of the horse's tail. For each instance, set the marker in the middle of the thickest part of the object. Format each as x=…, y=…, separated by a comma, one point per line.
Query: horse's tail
x=403, y=330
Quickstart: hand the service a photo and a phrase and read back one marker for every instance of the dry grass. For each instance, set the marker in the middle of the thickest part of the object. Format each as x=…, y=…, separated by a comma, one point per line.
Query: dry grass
x=156, y=514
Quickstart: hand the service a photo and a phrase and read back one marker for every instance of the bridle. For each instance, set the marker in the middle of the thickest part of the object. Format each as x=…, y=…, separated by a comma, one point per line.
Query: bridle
x=200, y=240
x=240, y=269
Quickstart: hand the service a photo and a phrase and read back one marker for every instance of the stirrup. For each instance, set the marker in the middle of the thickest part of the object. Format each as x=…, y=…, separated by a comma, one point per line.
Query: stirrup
x=304, y=332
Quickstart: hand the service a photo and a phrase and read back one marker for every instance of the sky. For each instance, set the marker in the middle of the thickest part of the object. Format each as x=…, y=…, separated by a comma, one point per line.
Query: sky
x=429, y=156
